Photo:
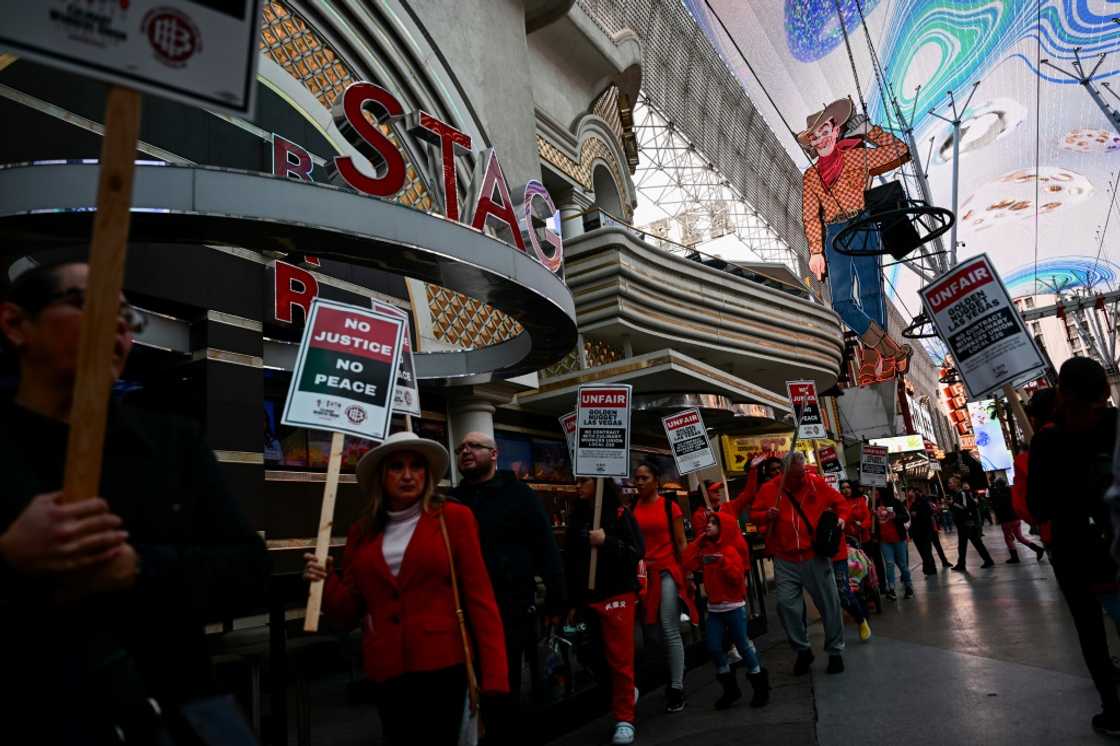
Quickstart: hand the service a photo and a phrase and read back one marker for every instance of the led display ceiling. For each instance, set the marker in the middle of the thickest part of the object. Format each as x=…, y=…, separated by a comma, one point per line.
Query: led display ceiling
x=1026, y=117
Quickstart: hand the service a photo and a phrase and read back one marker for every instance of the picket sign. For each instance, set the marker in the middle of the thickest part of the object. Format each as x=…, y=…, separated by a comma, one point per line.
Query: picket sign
x=344, y=381
x=94, y=377
x=602, y=444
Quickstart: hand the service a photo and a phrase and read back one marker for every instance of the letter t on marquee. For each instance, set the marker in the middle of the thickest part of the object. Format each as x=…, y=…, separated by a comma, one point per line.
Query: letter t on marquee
x=450, y=141
x=485, y=206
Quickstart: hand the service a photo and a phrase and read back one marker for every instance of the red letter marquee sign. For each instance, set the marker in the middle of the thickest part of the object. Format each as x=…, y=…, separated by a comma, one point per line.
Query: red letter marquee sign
x=490, y=202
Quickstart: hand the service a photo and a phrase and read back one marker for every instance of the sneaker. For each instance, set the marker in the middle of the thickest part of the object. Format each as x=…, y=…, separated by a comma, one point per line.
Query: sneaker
x=835, y=664
x=1014, y=560
x=946, y=566
x=674, y=700
x=909, y=592
x=1107, y=724
x=623, y=733
x=958, y=568
x=987, y=564
x=804, y=660
x=891, y=595
x=733, y=656
x=864, y=631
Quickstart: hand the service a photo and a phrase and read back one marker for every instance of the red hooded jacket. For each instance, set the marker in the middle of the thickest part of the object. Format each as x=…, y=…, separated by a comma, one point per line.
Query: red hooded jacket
x=726, y=579
x=857, y=512
x=787, y=536
x=1019, y=496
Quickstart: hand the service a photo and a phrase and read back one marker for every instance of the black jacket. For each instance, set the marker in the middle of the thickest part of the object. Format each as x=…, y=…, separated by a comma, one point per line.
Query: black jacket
x=517, y=542
x=965, y=508
x=617, y=570
x=922, y=517
x=1068, y=476
x=200, y=562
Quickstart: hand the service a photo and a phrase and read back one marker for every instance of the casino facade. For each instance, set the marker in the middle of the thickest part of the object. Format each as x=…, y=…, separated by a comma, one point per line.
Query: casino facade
x=474, y=170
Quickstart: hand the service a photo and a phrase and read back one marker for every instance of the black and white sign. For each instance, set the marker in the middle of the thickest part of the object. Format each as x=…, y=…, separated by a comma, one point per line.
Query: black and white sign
x=603, y=430
x=568, y=425
x=201, y=52
x=689, y=441
x=829, y=461
x=873, y=465
x=806, y=409
x=974, y=316
x=406, y=396
x=346, y=371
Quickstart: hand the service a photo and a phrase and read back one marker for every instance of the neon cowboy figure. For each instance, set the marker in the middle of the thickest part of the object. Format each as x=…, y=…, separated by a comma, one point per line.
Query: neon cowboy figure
x=833, y=197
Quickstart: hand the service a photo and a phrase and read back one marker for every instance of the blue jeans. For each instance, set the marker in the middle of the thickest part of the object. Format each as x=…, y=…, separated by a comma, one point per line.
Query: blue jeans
x=848, y=599
x=734, y=624
x=856, y=282
x=897, y=554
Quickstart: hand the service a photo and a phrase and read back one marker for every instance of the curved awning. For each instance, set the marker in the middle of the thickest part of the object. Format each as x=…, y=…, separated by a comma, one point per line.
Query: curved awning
x=46, y=205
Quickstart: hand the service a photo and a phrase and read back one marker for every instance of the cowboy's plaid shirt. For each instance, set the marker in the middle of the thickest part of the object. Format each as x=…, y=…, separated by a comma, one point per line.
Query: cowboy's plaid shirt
x=845, y=199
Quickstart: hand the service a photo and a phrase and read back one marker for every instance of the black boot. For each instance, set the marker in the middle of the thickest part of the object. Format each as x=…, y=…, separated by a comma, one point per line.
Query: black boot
x=731, y=692
x=804, y=660
x=1014, y=558
x=760, y=682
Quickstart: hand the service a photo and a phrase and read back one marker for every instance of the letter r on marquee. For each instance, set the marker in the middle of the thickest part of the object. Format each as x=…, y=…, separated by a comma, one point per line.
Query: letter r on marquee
x=294, y=287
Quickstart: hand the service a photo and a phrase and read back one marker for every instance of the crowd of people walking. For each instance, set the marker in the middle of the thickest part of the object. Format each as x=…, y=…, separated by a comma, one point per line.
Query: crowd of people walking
x=450, y=592
x=658, y=567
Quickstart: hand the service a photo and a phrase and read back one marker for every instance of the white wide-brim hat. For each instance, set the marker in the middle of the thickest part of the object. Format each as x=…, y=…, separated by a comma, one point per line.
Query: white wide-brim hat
x=433, y=452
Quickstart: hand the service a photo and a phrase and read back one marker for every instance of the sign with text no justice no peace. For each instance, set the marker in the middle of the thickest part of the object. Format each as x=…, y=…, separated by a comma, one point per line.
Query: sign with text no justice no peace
x=346, y=371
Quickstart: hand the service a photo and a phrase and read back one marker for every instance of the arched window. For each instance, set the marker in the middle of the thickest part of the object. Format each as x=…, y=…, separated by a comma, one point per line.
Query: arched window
x=607, y=197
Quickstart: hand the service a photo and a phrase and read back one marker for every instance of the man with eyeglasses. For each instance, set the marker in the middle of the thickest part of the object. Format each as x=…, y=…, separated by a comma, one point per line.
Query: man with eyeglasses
x=518, y=545
x=103, y=601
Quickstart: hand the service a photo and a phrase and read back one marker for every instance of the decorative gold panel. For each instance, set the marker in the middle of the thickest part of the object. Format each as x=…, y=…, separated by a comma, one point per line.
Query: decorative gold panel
x=600, y=353
x=569, y=364
x=466, y=322
x=606, y=108
x=293, y=45
x=593, y=147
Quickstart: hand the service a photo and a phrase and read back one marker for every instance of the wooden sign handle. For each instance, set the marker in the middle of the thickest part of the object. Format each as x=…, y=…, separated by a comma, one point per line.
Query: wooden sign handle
x=1019, y=411
x=596, y=521
x=94, y=376
x=323, y=541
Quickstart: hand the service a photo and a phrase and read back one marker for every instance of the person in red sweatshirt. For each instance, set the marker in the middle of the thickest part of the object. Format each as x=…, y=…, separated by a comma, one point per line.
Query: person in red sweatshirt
x=720, y=551
x=1041, y=411
x=761, y=471
x=713, y=498
x=788, y=511
x=858, y=516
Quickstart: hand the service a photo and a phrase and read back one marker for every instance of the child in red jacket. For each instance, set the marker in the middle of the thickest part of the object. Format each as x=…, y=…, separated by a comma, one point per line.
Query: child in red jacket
x=722, y=553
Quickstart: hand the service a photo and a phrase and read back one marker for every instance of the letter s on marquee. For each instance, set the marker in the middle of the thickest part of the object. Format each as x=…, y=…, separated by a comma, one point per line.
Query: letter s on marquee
x=287, y=296
x=349, y=115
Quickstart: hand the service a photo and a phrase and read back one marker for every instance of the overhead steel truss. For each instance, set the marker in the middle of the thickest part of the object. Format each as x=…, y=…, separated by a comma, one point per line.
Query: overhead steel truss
x=697, y=201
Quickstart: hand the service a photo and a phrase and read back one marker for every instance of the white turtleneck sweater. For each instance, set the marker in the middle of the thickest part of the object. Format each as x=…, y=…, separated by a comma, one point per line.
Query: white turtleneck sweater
x=398, y=532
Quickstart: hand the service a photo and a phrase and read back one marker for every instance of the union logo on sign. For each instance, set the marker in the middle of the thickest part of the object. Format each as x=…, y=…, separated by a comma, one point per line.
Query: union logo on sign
x=356, y=414
x=173, y=36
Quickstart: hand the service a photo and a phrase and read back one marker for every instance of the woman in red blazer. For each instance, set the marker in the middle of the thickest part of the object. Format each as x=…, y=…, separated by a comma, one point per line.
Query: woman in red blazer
x=396, y=582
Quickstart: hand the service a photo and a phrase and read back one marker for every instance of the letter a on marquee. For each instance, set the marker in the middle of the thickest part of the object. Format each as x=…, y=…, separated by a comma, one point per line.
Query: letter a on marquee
x=485, y=206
